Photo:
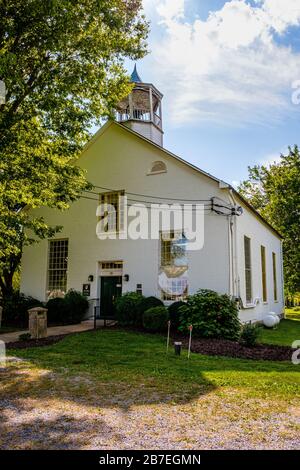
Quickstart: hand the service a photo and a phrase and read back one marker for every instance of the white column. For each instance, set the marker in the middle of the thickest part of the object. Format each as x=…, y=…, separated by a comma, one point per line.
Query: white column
x=130, y=106
x=151, y=104
x=160, y=114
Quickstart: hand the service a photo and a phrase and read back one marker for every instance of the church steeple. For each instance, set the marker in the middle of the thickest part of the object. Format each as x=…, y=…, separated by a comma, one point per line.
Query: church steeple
x=135, y=76
x=141, y=110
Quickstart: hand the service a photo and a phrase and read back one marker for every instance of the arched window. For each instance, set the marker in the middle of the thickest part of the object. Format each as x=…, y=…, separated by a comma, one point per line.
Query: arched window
x=157, y=167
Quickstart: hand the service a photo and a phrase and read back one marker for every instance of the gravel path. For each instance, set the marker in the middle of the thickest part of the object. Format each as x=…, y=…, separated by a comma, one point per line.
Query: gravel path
x=45, y=410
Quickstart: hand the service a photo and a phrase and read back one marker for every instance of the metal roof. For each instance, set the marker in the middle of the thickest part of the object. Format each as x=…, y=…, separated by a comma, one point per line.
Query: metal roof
x=135, y=76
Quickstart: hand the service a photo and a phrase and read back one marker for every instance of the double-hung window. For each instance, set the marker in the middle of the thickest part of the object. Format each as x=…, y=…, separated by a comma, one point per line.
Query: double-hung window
x=58, y=264
x=264, y=273
x=248, y=269
x=112, y=211
x=173, y=277
x=274, y=277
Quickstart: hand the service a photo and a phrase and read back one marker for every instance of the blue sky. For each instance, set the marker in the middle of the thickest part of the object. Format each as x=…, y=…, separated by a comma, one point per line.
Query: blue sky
x=226, y=70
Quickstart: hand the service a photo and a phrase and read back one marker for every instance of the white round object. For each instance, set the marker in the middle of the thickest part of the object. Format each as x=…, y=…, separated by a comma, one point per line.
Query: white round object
x=276, y=316
x=270, y=321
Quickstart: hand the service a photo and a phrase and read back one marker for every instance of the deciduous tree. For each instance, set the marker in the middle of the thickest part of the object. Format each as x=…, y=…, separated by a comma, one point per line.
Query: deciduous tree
x=274, y=190
x=62, y=62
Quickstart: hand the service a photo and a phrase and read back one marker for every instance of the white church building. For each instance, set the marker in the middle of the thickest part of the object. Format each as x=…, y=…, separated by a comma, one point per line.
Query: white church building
x=104, y=254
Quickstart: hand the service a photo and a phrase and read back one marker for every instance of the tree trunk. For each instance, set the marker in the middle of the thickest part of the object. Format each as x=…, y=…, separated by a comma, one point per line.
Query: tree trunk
x=6, y=284
x=6, y=277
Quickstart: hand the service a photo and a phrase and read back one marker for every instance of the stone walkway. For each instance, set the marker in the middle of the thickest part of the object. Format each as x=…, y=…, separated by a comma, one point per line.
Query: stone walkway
x=54, y=330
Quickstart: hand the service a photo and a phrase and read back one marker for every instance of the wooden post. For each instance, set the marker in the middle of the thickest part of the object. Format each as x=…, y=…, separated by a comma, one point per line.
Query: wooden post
x=190, y=340
x=151, y=105
x=168, y=337
x=131, y=108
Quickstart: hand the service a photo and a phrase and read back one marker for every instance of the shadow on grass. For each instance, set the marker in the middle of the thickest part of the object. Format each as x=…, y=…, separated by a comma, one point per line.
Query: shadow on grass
x=54, y=399
x=57, y=394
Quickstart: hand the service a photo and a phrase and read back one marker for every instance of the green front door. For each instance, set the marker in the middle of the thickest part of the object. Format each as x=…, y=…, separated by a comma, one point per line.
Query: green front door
x=111, y=288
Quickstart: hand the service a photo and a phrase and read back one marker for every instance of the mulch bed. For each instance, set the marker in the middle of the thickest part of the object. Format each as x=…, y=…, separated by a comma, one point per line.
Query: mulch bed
x=209, y=347
x=223, y=347
x=35, y=343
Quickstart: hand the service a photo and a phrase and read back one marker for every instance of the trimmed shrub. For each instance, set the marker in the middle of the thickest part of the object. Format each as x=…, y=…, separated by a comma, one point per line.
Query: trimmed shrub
x=58, y=311
x=155, y=319
x=128, y=308
x=15, y=309
x=146, y=303
x=77, y=305
x=174, y=314
x=249, y=335
x=67, y=310
x=211, y=314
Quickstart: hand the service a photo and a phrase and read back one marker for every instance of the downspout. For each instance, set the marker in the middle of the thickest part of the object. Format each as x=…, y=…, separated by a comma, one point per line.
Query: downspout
x=235, y=284
x=230, y=255
x=282, y=277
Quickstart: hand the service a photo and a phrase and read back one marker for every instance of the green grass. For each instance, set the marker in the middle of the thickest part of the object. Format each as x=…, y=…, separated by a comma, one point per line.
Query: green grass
x=284, y=334
x=293, y=313
x=125, y=359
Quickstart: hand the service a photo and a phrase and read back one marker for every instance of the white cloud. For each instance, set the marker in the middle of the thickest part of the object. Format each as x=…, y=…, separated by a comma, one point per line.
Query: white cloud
x=227, y=68
x=281, y=13
x=171, y=10
x=274, y=157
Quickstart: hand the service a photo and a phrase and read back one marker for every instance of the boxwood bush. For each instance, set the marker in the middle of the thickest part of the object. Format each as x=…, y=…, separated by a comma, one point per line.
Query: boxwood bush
x=211, y=314
x=67, y=310
x=174, y=314
x=128, y=308
x=155, y=319
x=77, y=305
x=58, y=312
x=146, y=303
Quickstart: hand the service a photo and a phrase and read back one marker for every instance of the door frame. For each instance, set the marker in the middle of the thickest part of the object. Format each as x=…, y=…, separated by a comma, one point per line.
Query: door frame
x=108, y=272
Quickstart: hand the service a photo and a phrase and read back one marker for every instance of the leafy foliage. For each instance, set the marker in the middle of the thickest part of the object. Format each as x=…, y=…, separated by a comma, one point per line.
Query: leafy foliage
x=58, y=312
x=77, y=305
x=25, y=337
x=150, y=302
x=15, y=309
x=174, y=313
x=67, y=310
x=155, y=319
x=274, y=191
x=128, y=308
x=250, y=334
x=145, y=304
x=63, y=66
x=211, y=314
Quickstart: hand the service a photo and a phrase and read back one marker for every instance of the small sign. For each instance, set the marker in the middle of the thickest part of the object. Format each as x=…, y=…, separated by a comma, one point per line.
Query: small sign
x=86, y=290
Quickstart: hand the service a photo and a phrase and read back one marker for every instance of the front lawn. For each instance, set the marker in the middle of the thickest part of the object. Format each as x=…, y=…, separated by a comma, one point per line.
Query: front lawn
x=116, y=389
x=293, y=313
x=284, y=334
